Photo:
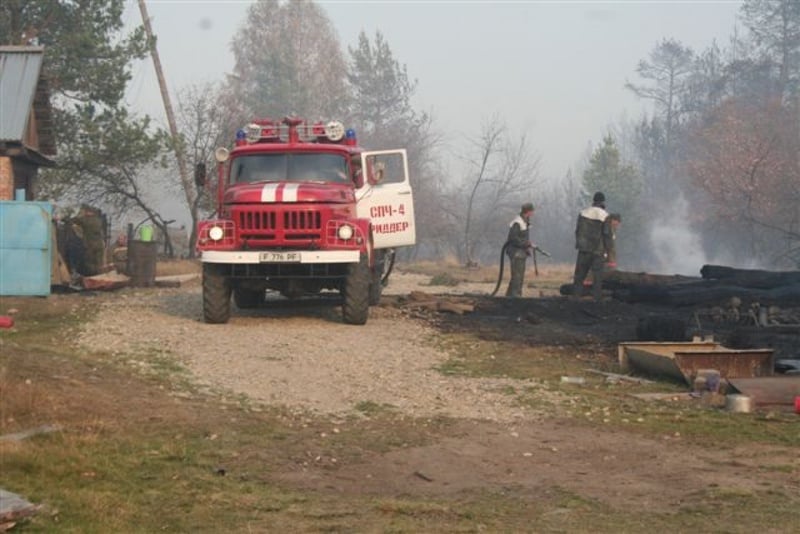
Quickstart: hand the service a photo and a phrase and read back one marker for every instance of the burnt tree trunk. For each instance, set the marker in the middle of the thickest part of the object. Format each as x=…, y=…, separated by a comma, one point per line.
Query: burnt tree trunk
x=623, y=280
x=717, y=285
x=694, y=294
x=750, y=277
x=620, y=279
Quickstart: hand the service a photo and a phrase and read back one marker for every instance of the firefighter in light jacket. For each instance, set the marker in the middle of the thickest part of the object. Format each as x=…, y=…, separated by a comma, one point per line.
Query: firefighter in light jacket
x=518, y=248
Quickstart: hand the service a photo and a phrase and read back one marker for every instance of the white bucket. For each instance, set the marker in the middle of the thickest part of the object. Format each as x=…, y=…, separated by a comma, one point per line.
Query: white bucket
x=573, y=380
x=738, y=403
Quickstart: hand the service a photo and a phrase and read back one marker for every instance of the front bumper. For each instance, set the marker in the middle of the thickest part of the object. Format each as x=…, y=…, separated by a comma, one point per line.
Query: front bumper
x=257, y=257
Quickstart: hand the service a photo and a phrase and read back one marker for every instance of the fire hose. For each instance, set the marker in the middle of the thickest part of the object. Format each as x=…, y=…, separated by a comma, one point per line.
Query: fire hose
x=534, y=250
x=385, y=279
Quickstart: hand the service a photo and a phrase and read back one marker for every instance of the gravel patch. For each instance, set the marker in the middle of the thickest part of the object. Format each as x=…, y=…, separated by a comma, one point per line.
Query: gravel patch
x=304, y=357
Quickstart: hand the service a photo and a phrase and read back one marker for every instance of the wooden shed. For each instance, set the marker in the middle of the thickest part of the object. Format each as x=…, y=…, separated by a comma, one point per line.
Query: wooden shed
x=27, y=139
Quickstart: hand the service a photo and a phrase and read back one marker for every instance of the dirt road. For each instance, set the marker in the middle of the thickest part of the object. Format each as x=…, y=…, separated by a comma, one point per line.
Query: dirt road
x=303, y=357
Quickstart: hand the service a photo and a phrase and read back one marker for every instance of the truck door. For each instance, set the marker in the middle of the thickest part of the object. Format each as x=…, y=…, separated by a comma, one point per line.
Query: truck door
x=386, y=198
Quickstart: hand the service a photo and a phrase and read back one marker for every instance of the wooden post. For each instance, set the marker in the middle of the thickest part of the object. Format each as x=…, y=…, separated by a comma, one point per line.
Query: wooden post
x=173, y=129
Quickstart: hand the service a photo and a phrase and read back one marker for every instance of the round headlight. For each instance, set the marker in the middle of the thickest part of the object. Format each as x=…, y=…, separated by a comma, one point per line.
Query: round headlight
x=345, y=231
x=334, y=130
x=216, y=233
x=221, y=154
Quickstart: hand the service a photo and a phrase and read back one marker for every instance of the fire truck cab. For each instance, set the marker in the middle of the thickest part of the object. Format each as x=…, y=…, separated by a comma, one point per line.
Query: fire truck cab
x=301, y=208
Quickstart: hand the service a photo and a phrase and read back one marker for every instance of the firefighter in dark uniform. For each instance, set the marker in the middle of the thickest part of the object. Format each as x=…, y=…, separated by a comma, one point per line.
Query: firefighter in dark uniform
x=518, y=248
x=592, y=241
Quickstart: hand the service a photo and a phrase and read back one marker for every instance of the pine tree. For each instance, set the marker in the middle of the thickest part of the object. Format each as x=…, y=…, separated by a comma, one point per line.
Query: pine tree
x=102, y=148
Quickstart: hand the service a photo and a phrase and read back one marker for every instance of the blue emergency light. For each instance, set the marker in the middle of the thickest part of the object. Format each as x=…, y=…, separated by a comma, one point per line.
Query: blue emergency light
x=350, y=137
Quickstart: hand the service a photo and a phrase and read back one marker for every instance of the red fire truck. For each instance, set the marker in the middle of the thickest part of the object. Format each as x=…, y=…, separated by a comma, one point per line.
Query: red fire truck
x=301, y=208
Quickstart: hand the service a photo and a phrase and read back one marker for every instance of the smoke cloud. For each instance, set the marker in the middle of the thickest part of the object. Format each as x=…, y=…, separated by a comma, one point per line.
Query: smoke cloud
x=676, y=247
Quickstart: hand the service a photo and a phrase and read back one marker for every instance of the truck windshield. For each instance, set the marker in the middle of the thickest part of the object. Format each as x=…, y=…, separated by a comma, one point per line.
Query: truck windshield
x=299, y=167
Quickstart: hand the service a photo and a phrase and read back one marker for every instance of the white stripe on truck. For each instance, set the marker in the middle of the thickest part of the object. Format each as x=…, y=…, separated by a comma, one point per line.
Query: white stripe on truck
x=269, y=192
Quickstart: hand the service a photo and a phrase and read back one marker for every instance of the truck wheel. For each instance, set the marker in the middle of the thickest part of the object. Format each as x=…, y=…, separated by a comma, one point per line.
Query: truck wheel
x=248, y=298
x=355, y=308
x=216, y=294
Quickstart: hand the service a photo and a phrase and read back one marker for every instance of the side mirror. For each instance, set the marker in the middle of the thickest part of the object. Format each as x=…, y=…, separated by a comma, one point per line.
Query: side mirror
x=358, y=179
x=200, y=174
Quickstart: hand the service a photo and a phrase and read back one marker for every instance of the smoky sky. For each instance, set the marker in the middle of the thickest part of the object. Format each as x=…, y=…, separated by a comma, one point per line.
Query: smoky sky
x=552, y=70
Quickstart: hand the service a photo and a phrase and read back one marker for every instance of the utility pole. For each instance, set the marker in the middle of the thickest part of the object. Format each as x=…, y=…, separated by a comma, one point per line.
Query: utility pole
x=173, y=129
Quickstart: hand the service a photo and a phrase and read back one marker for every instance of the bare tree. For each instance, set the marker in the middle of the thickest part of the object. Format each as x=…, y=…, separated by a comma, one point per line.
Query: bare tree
x=668, y=80
x=666, y=73
x=204, y=124
x=557, y=207
x=487, y=145
x=775, y=28
x=501, y=172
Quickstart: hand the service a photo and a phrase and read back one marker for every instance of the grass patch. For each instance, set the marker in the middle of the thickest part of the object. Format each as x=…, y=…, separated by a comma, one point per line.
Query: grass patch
x=695, y=421
x=611, y=405
x=473, y=357
x=373, y=408
x=444, y=279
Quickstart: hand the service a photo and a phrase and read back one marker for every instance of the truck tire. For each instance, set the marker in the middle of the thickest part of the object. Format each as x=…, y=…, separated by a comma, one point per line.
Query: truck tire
x=216, y=295
x=355, y=307
x=248, y=298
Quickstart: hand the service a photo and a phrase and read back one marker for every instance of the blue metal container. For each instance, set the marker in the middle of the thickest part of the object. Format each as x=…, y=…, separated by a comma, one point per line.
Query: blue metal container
x=25, y=248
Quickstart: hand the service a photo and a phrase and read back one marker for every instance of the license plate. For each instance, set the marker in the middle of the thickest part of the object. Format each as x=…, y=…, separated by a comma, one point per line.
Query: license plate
x=279, y=257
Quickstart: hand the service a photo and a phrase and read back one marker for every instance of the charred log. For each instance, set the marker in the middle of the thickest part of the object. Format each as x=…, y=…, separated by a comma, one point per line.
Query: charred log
x=750, y=277
x=618, y=280
x=719, y=284
x=690, y=295
x=621, y=279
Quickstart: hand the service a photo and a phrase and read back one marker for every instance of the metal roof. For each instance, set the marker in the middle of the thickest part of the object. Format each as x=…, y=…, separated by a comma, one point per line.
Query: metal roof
x=19, y=75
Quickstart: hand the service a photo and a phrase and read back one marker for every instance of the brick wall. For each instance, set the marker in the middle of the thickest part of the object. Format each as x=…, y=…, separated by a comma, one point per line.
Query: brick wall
x=6, y=179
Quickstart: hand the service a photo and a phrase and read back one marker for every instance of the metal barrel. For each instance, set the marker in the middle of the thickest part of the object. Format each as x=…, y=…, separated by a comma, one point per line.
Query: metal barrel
x=142, y=257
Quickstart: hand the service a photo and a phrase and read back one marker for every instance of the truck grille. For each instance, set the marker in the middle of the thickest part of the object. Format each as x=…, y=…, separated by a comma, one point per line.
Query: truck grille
x=256, y=220
x=265, y=228
x=302, y=220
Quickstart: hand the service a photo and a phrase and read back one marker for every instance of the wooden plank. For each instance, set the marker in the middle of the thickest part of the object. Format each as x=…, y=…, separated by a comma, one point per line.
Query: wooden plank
x=618, y=376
